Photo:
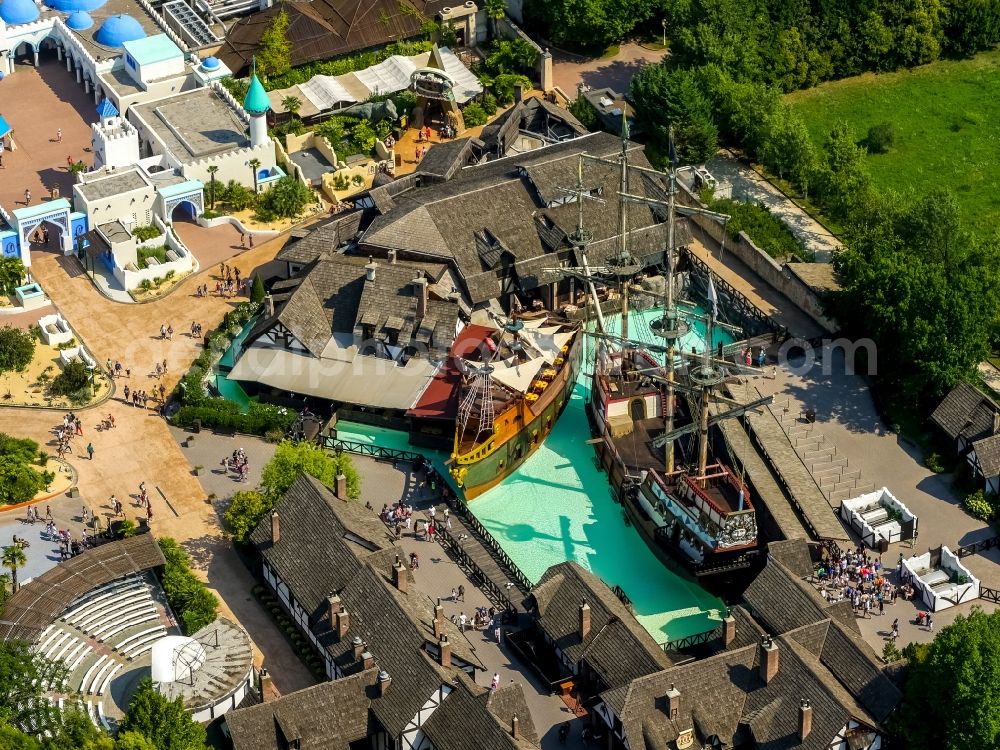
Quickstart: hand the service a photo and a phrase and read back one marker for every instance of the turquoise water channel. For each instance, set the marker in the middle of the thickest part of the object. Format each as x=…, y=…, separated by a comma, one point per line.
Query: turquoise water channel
x=558, y=506
x=230, y=389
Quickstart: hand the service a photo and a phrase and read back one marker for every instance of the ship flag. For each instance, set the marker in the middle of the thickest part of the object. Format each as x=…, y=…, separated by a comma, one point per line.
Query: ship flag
x=713, y=298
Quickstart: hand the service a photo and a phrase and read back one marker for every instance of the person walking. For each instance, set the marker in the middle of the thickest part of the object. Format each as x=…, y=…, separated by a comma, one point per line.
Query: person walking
x=496, y=632
x=90, y=451
x=495, y=683
x=251, y=240
x=243, y=240
x=461, y=593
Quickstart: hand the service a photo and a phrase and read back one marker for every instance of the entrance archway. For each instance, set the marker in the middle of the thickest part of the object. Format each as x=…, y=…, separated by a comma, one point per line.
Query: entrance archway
x=30, y=219
x=185, y=210
x=637, y=409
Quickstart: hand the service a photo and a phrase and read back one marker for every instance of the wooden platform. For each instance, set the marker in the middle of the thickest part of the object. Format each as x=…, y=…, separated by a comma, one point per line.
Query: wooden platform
x=475, y=550
x=799, y=484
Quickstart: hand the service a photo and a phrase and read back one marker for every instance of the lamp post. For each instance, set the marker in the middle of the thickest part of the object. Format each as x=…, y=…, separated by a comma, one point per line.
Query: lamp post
x=664, y=24
x=93, y=377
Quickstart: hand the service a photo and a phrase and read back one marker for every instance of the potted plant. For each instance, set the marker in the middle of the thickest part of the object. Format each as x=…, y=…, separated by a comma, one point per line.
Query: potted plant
x=197, y=469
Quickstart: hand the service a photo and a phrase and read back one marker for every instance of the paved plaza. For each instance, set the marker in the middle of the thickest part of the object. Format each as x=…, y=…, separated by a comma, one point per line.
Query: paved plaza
x=35, y=103
x=614, y=72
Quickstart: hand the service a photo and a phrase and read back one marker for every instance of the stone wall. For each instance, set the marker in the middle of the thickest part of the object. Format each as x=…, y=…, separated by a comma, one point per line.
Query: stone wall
x=775, y=274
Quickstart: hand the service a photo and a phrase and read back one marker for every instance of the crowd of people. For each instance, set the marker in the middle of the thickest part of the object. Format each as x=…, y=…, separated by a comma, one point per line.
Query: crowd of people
x=858, y=577
x=238, y=464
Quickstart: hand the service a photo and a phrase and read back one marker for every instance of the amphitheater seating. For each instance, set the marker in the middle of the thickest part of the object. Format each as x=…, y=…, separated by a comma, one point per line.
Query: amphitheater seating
x=136, y=618
x=130, y=647
x=99, y=677
x=107, y=680
x=108, y=622
x=109, y=610
x=54, y=643
x=90, y=604
x=73, y=640
x=86, y=684
x=77, y=655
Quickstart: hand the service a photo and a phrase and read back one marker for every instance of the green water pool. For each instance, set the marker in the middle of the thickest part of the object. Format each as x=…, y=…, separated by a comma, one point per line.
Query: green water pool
x=558, y=506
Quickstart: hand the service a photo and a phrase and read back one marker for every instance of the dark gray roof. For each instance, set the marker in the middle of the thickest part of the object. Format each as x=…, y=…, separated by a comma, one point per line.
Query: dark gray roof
x=38, y=603
x=781, y=601
x=333, y=296
x=327, y=545
x=443, y=160
x=618, y=648
x=326, y=238
x=328, y=716
x=534, y=115
x=466, y=719
x=793, y=554
x=966, y=412
x=492, y=211
x=988, y=455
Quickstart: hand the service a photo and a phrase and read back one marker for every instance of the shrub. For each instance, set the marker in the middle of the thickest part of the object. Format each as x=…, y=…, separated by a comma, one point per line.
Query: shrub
x=503, y=86
x=17, y=347
x=146, y=233
x=933, y=462
x=358, y=180
x=170, y=275
x=194, y=604
x=274, y=436
x=978, y=505
x=489, y=103
x=257, y=291
x=145, y=253
x=74, y=377
x=474, y=115
x=286, y=198
x=881, y=138
x=145, y=285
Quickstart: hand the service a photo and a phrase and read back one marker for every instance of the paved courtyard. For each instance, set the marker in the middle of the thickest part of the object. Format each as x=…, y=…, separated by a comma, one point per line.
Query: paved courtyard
x=615, y=72
x=35, y=103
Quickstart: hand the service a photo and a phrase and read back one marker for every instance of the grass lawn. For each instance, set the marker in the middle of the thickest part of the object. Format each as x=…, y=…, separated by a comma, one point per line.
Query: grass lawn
x=946, y=118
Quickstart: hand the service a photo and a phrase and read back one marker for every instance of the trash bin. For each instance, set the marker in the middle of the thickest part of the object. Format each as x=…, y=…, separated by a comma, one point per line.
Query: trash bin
x=196, y=426
x=883, y=545
x=810, y=415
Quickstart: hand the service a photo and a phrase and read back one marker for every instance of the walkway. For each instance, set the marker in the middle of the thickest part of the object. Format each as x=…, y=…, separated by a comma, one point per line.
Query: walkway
x=614, y=72
x=48, y=98
x=801, y=486
x=762, y=295
x=751, y=187
x=142, y=447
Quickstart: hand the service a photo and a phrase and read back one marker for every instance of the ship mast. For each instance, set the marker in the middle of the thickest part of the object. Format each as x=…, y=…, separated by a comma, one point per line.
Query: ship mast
x=623, y=259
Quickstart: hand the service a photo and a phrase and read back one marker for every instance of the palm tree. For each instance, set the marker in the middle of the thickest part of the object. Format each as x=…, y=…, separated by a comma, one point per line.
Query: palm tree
x=255, y=165
x=13, y=558
x=292, y=105
x=211, y=173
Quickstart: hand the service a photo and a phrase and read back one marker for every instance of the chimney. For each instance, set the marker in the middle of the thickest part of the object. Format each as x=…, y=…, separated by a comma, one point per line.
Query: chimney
x=445, y=646
x=673, y=702
x=996, y=422
x=399, y=579
x=275, y=527
x=343, y=622
x=518, y=93
x=728, y=630
x=367, y=660
x=584, y=621
x=333, y=609
x=805, y=719
x=359, y=647
x=370, y=269
x=269, y=305
x=392, y=257
x=768, y=659
x=384, y=681
x=515, y=727
x=265, y=685
x=420, y=292
x=340, y=487
x=438, y=619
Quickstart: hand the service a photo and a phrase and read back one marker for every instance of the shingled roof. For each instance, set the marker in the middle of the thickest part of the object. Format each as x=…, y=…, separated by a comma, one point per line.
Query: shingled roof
x=510, y=217
x=966, y=412
x=320, y=29
x=38, y=603
x=618, y=649
x=468, y=719
x=988, y=454
x=326, y=545
x=324, y=239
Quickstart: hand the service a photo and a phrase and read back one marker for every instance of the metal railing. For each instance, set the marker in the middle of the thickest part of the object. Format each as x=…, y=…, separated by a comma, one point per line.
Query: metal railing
x=976, y=547
x=464, y=559
x=462, y=508
x=742, y=306
x=623, y=597
x=990, y=595
x=692, y=640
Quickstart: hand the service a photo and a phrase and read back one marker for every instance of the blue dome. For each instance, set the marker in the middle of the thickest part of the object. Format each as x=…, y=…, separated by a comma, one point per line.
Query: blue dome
x=79, y=20
x=210, y=63
x=117, y=30
x=15, y=12
x=68, y=6
x=256, y=101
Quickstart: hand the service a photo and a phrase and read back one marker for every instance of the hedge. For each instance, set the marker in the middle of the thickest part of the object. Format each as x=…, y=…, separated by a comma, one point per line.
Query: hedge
x=190, y=599
x=226, y=415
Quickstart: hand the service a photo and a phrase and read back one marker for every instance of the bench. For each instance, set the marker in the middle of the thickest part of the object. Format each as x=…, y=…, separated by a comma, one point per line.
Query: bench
x=147, y=646
x=54, y=646
x=91, y=672
x=84, y=610
x=873, y=517
x=125, y=645
x=147, y=617
x=152, y=261
x=47, y=639
x=172, y=255
x=107, y=680
x=74, y=657
x=113, y=625
x=934, y=578
x=102, y=717
x=94, y=623
x=99, y=676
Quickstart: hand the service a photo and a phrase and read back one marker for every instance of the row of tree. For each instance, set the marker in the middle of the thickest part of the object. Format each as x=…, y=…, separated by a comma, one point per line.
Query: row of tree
x=791, y=43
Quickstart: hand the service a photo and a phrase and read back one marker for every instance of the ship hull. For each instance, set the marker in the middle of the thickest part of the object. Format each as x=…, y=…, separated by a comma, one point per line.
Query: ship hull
x=486, y=473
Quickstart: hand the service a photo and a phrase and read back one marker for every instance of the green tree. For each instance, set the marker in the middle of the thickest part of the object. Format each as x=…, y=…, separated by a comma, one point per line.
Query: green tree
x=292, y=105
x=19, y=481
x=77, y=732
x=134, y=741
x=952, y=696
x=495, y=11
x=190, y=598
x=254, y=165
x=11, y=274
x=287, y=197
x=257, y=291
x=73, y=377
x=274, y=52
x=668, y=98
x=14, y=739
x=22, y=674
x=17, y=347
x=590, y=25
x=164, y=722
x=245, y=511
x=211, y=189
x=13, y=559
